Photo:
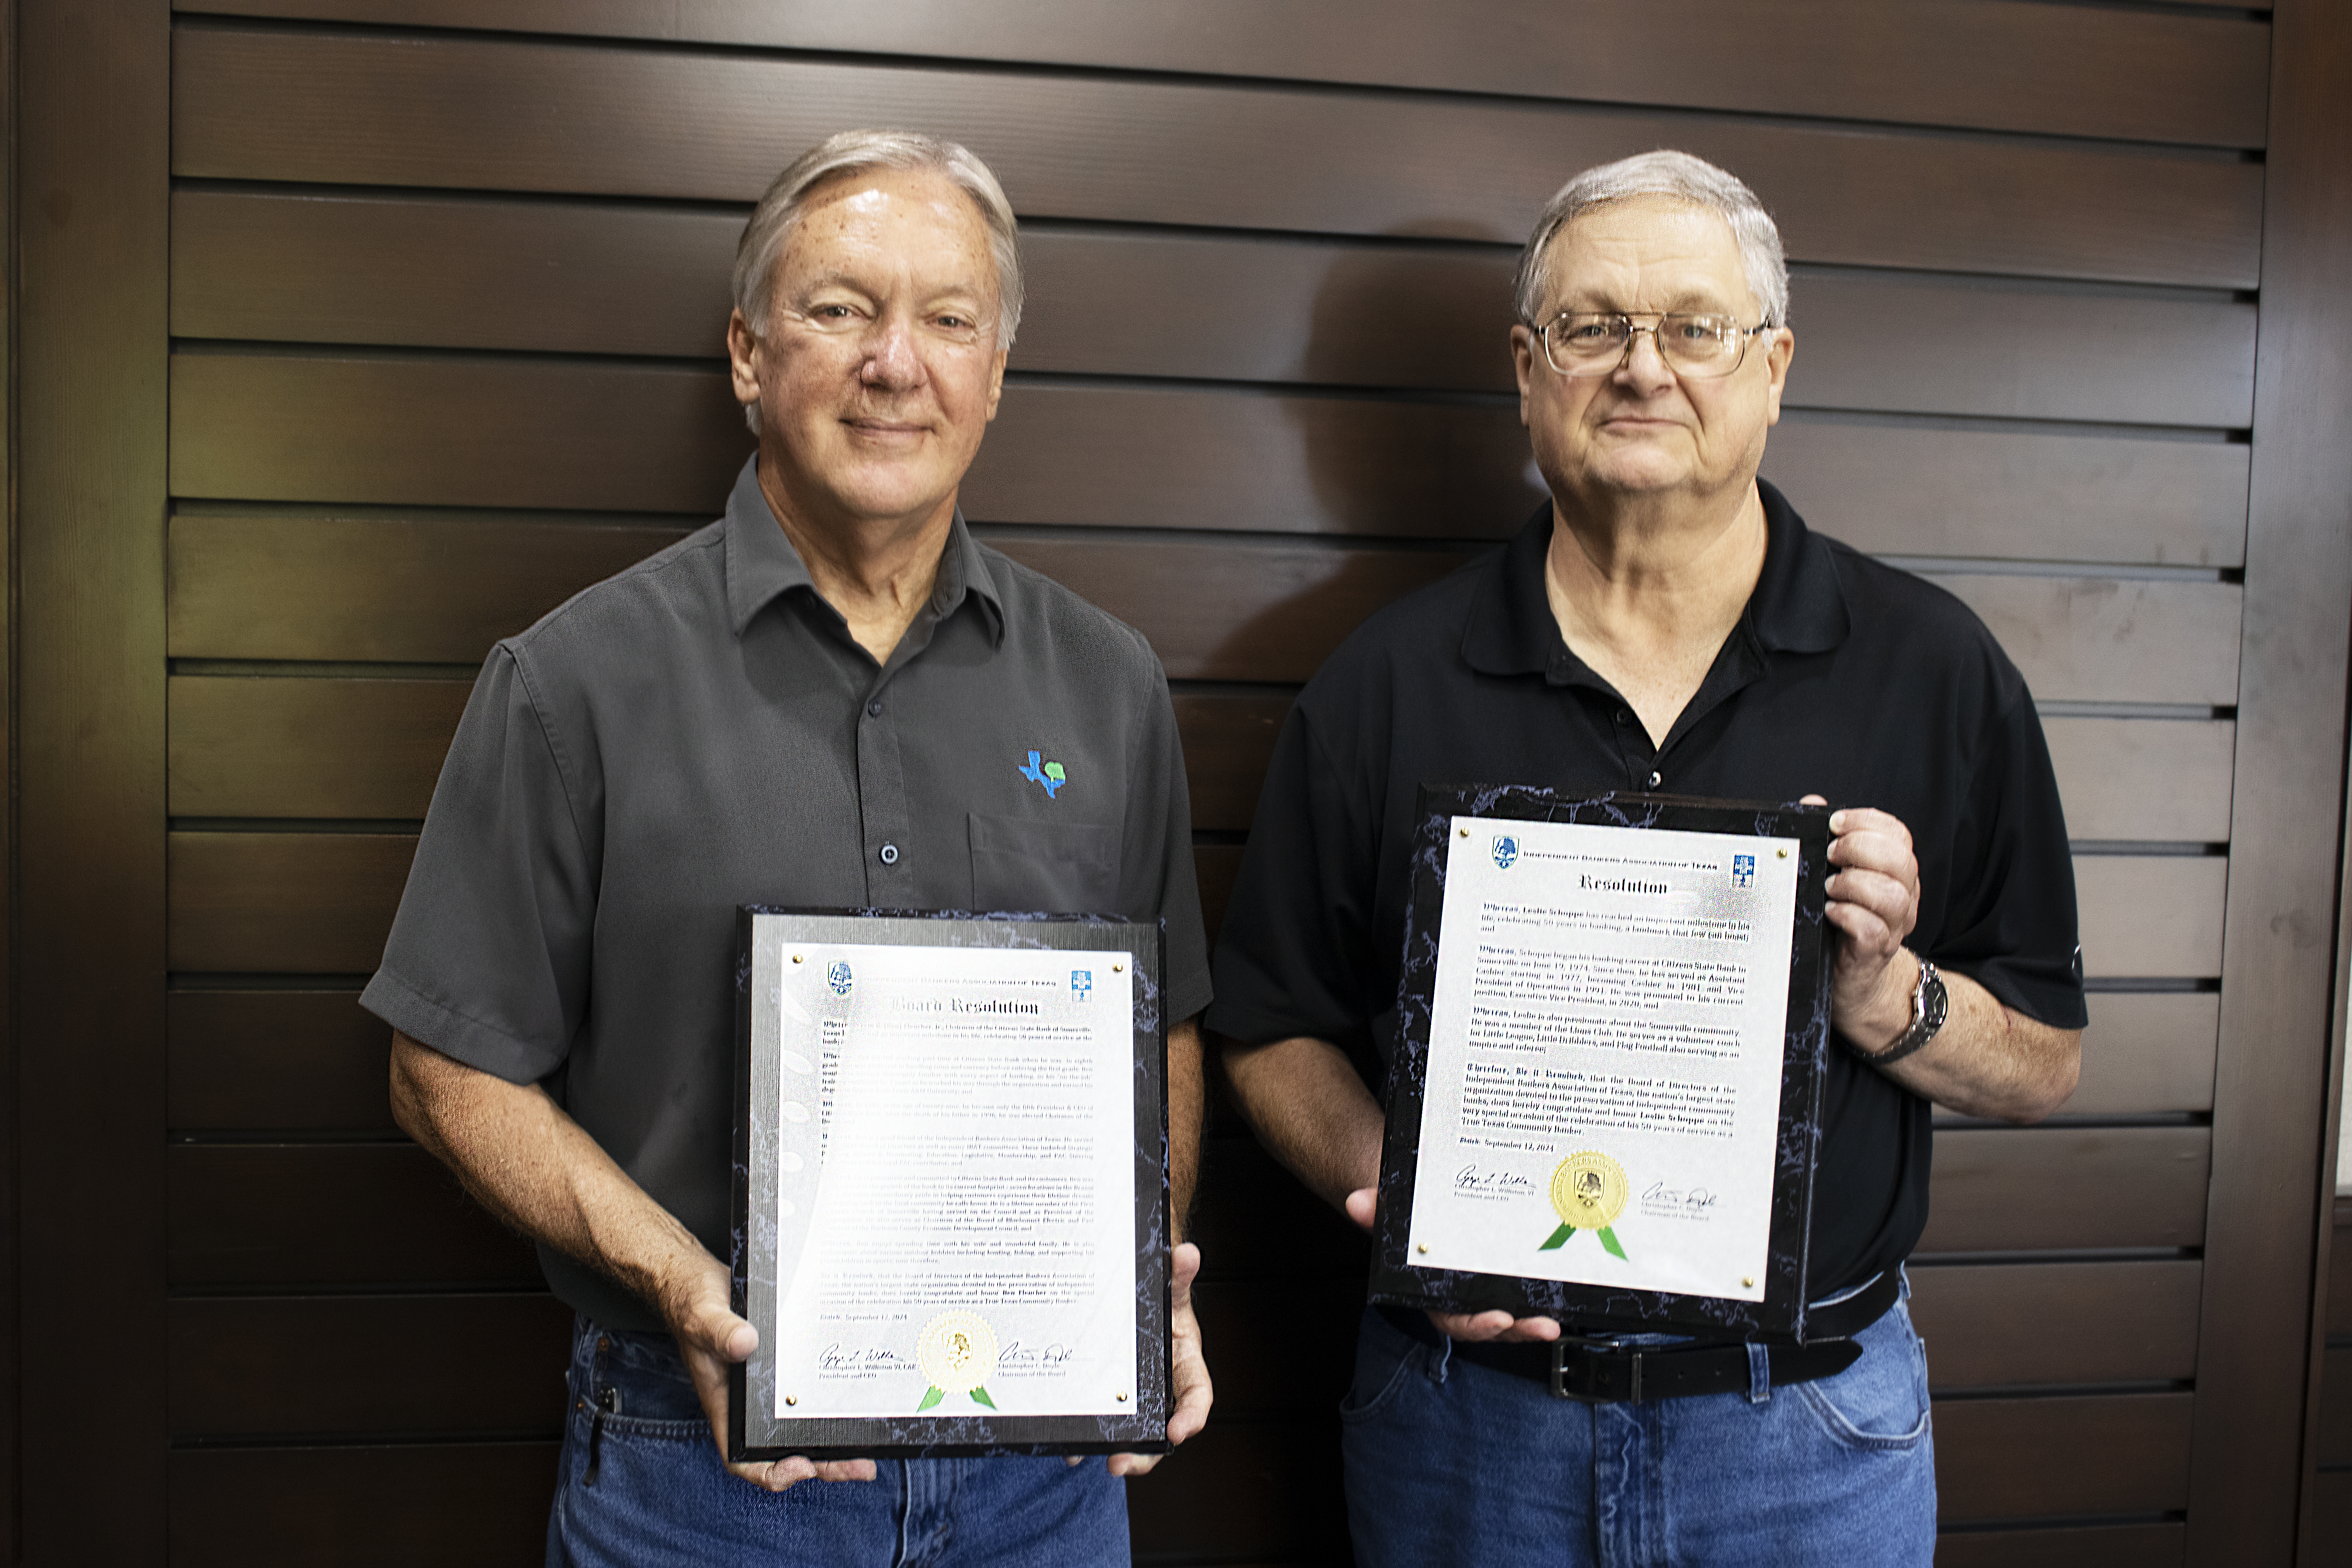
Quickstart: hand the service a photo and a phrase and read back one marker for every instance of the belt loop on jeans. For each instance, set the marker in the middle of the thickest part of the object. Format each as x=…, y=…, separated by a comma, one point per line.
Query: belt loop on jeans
x=1759, y=1375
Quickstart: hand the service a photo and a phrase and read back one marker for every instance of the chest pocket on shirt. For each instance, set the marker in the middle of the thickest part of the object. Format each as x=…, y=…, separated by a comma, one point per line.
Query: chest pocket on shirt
x=1051, y=868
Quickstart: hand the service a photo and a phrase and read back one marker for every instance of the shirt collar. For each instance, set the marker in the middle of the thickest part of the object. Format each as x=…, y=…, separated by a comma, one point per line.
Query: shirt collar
x=1797, y=607
x=760, y=563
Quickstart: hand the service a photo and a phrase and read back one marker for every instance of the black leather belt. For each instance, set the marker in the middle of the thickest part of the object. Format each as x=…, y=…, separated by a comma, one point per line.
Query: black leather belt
x=1604, y=1370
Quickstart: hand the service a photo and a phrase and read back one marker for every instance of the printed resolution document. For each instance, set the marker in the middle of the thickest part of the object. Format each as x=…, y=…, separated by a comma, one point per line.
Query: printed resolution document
x=955, y=1205
x=1604, y=1090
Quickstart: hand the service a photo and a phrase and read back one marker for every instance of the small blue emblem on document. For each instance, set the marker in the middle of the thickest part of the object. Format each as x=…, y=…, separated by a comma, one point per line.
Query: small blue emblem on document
x=838, y=977
x=1082, y=983
x=1506, y=850
x=1743, y=870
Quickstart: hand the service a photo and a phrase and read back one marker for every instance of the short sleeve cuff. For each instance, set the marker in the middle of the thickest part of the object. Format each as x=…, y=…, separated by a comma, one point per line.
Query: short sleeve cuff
x=462, y=1039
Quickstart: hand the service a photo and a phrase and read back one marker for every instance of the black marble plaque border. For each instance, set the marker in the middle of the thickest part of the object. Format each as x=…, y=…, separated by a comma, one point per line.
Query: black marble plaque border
x=1780, y=1316
x=753, y=1433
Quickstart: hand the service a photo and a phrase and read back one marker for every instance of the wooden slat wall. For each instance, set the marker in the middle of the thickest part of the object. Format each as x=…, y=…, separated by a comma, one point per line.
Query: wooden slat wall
x=448, y=283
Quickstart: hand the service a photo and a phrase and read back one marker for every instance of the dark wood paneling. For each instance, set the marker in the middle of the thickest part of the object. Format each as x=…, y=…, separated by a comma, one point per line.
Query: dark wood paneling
x=1227, y=740
x=437, y=433
x=2339, y=1274
x=2336, y=1407
x=474, y=275
x=86, y=230
x=1215, y=866
x=277, y=1060
x=293, y=1215
x=473, y=1505
x=285, y=903
x=385, y=589
x=522, y=116
x=1911, y=490
x=2143, y=780
x=2002, y=1190
x=262, y=747
x=2271, y=1085
x=321, y=904
x=2110, y=639
x=2331, y=1517
x=1997, y=67
x=248, y=1367
x=2076, y=1457
x=1998, y=1325
x=2108, y=1545
x=2152, y=915
x=2147, y=1052
x=551, y=434
x=1254, y=1221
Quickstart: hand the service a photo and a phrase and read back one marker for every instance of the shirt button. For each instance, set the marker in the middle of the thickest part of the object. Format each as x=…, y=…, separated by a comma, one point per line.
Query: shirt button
x=1624, y=716
x=874, y=709
x=889, y=854
x=1656, y=778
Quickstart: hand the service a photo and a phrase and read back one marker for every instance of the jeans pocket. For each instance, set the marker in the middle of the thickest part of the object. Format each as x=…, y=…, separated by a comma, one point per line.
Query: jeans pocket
x=1880, y=1403
x=1384, y=1356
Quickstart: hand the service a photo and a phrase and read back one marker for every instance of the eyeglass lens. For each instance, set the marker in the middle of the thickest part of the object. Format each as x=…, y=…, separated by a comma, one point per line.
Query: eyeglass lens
x=1593, y=343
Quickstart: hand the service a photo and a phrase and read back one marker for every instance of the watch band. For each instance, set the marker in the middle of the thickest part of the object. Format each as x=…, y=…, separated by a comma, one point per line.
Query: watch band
x=1930, y=1003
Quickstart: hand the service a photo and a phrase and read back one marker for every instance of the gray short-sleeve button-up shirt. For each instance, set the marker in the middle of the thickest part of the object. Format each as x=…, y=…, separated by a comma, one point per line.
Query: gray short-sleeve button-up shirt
x=701, y=731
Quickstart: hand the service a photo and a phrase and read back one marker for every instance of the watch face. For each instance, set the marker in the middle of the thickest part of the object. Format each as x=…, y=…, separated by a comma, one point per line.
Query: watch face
x=1934, y=1000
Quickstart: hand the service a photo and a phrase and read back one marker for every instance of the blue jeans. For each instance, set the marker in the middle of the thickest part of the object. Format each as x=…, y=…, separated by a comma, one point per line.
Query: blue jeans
x=660, y=1495
x=1450, y=1462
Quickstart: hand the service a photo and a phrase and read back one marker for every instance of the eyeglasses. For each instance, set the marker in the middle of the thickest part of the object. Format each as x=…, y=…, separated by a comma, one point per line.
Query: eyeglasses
x=1595, y=342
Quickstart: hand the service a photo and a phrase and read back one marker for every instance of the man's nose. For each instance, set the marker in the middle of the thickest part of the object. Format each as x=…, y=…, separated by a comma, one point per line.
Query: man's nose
x=1643, y=366
x=890, y=357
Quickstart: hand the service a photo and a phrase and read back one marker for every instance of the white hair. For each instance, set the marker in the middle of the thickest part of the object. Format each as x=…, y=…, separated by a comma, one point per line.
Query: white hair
x=853, y=152
x=1677, y=177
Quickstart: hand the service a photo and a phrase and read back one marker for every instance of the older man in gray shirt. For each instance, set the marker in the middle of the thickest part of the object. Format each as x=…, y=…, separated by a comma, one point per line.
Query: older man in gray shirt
x=831, y=696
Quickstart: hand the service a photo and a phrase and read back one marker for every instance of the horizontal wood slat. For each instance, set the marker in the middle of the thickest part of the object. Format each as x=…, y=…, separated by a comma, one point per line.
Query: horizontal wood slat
x=2105, y=639
x=549, y=433
x=525, y=116
x=2336, y=1406
x=359, y=1506
x=2001, y=1325
x=291, y=1215
x=2150, y=916
x=2101, y=1454
x=2148, y=1053
x=2143, y=780
x=321, y=904
x=1995, y=67
x=262, y=747
x=247, y=1367
x=290, y=903
x=277, y=1061
x=549, y=275
x=2004, y=1189
x=2108, y=1545
x=2331, y=1516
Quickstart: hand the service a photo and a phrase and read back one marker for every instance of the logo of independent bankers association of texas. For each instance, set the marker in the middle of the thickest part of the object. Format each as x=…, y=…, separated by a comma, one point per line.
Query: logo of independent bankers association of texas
x=1743, y=870
x=1506, y=850
x=1587, y=1192
x=837, y=976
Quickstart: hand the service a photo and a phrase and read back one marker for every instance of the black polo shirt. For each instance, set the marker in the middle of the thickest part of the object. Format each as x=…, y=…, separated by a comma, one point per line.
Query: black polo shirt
x=701, y=731
x=1845, y=678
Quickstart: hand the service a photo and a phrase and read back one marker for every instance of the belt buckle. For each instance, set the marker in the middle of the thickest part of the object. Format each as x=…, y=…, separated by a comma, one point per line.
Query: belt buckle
x=1593, y=1344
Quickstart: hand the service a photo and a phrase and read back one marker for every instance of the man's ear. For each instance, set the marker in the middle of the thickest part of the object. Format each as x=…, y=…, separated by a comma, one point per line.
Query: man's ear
x=742, y=358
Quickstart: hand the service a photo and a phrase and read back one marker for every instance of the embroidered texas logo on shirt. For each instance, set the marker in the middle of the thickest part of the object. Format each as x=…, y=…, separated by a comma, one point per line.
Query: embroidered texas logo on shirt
x=1050, y=775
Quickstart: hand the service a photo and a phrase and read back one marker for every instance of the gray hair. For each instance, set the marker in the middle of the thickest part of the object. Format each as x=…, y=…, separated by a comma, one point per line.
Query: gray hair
x=1677, y=177
x=854, y=151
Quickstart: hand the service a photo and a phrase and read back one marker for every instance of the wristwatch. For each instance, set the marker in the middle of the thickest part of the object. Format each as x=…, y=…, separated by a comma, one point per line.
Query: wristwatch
x=1930, y=1003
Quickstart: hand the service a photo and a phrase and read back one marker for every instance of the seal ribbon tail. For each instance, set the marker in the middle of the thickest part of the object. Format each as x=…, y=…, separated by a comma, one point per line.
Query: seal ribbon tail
x=1559, y=1239
x=930, y=1397
x=981, y=1396
x=1609, y=1240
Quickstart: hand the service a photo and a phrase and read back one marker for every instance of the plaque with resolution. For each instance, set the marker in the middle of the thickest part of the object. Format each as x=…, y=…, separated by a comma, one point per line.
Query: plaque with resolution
x=950, y=1186
x=1614, y=1023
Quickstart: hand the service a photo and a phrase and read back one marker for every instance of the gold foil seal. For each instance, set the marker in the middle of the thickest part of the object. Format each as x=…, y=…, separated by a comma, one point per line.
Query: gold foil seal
x=1589, y=1190
x=957, y=1351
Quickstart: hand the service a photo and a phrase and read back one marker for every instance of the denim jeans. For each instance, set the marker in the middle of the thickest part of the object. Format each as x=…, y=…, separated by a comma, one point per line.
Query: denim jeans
x=1450, y=1462
x=660, y=1496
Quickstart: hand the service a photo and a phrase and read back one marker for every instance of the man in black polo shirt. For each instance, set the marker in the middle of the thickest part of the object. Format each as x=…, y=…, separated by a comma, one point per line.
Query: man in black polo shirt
x=833, y=696
x=1667, y=624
